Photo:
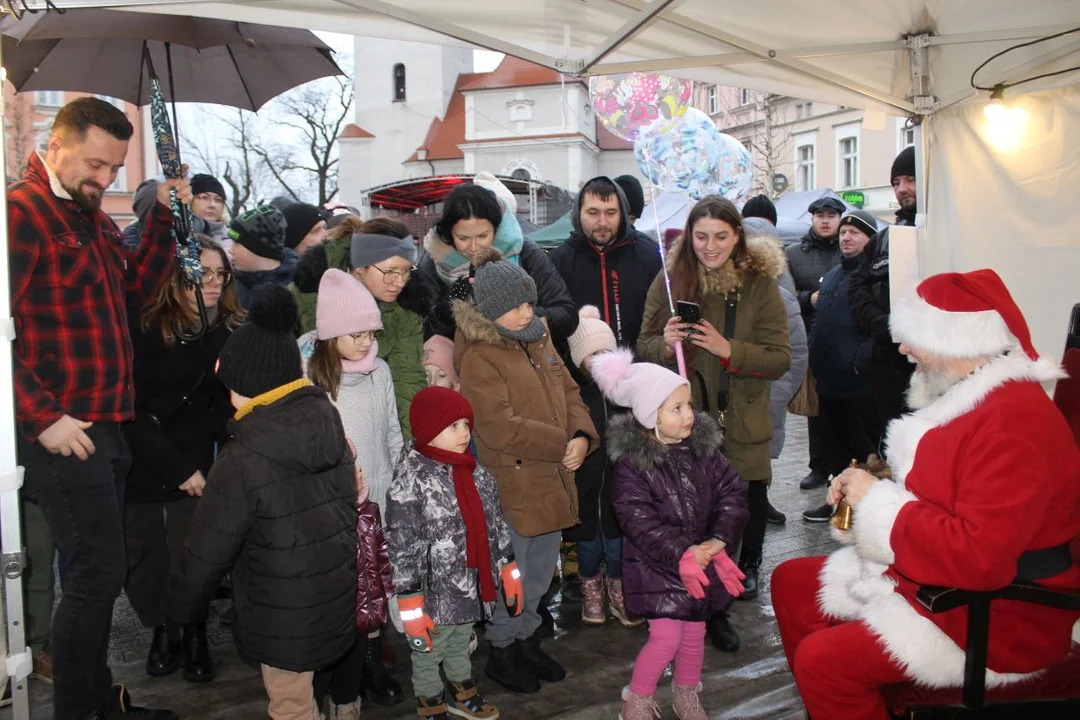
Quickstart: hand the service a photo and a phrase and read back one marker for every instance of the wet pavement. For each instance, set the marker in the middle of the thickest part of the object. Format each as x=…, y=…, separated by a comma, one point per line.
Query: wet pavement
x=749, y=684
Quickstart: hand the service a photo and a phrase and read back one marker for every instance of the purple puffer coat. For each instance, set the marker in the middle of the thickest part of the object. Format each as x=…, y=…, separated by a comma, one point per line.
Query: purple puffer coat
x=668, y=498
x=374, y=572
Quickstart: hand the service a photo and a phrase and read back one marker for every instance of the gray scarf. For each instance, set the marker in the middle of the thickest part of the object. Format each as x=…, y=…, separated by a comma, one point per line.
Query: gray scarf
x=530, y=334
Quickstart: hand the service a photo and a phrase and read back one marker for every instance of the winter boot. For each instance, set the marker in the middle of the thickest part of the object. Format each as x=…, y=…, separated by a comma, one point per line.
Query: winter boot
x=164, y=655
x=466, y=702
x=380, y=686
x=507, y=667
x=433, y=708
x=721, y=633
x=119, y=707
x=542, y=664
x=750, y=584
x=686, y=703
x=617, y=604
x=592, y=600
x=638, y=707
x=198, y=668
x=348, y=711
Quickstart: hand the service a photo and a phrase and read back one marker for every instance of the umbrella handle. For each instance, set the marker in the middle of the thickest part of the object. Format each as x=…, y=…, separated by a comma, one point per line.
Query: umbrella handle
x=204, y=321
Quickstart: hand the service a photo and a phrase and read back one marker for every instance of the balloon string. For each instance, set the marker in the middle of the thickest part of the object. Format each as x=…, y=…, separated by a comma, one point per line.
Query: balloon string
x=680, y=357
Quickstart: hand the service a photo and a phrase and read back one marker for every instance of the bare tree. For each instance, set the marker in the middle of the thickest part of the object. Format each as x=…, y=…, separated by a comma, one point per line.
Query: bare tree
x=20, y=128
x=317, y=114
x=771, y=142
x=235, y=157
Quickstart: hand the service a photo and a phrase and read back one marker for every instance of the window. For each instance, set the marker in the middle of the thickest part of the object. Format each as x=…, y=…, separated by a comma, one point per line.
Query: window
x=41, y=138
x=714, y=100
x=745, y=97
x=119, y=185
x=806, y=167
x=847, y=155
x=399, y=82
x=115, y=102
x=746, y=143
x=906, y=136
x=521, y=174
x=48, y=98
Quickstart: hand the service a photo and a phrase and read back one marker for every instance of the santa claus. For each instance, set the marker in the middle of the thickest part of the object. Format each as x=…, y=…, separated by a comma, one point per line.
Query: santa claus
x=986, y=489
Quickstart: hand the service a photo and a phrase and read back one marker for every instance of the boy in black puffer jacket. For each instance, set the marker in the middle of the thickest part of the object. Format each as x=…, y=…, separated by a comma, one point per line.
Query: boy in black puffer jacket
x=280, y=510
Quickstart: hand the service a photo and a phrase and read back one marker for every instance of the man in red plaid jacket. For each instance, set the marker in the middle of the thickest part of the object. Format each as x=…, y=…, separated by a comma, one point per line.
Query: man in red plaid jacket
x=71, y=280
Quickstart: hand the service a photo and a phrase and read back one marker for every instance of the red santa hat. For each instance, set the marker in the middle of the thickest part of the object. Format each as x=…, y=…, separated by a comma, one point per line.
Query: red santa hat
x=962, y=315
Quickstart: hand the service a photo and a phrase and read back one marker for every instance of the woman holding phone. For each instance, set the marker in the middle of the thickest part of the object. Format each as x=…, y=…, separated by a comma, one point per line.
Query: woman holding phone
x=739, y=346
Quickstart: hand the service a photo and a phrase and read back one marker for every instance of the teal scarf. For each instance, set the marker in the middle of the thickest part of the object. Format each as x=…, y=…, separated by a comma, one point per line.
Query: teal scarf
x=452, y=265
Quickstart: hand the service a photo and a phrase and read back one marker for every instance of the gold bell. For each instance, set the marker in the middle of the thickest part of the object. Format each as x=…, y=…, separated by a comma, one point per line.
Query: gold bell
x=841, y=519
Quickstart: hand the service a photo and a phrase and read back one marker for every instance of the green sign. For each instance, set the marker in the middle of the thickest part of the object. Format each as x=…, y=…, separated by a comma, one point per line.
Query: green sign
x=853, y=197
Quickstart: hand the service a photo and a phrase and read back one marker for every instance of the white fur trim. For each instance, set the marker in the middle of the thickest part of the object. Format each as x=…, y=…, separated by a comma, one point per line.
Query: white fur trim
x=919, y=324
x=923, y=650
x=903, y=437
x=838, y=574
x=844, y=537
x=874, y=518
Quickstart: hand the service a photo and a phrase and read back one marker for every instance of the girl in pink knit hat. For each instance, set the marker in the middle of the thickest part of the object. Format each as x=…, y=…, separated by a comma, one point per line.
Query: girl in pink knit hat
x=682, y=509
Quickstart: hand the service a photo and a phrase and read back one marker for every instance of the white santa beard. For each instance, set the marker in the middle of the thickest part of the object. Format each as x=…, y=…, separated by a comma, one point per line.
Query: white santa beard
x=927, y=385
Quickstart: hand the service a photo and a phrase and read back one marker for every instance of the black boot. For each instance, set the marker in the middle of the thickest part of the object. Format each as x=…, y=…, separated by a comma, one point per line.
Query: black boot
x=750, y=584
x=380, y=686
x=814, y=479
x=542, y=664
x=547, y=622
x=198, y=668
x=507, y=667
x=164, y=655
x=721, y=633
x=119, y=707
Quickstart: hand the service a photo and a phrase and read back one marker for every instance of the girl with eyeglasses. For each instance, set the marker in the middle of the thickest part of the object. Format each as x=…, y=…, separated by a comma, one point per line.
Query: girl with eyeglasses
x=342, y=357
x=180, y=414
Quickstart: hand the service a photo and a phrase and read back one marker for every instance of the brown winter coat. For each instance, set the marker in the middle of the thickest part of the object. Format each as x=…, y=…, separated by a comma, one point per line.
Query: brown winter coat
x=526, y=409
x=760, y=351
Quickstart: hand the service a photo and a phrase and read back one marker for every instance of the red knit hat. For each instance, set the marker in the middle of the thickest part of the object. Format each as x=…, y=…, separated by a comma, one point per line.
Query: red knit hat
x=434, y=409
x=962, y=315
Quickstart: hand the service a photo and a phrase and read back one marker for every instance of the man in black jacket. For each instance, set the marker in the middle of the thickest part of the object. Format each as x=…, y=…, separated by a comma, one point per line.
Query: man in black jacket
x=868, y=292
x=809, y=260
x=606, y=262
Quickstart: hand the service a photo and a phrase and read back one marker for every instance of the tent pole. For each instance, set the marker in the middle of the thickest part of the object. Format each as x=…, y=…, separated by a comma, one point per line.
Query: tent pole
x=628, y=29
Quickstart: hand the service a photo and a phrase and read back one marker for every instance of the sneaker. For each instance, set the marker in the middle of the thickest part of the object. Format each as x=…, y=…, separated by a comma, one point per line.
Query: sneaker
x=348, y=711
x=119, y=707
x=465, y=701
x=433, y=708
x=686, y=703
x=814, y=479
x=592, y=600
x=774, y=516
x=43, y=666
x=638, y=707
x=818, y=514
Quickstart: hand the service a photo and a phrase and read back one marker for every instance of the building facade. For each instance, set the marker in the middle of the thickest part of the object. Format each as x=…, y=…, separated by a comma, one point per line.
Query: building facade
x=805, y=145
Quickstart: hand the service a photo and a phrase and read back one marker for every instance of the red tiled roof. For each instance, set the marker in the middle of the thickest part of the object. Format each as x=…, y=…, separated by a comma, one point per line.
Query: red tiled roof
x=607, y=140
x=444, y=134
x=514, y=72
x=352, y=130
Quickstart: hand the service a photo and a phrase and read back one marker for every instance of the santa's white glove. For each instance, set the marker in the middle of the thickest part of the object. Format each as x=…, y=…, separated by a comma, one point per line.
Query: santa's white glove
x=395, y=616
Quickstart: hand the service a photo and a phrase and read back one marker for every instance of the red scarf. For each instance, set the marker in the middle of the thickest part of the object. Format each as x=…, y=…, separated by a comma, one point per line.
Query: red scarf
x=477, y=551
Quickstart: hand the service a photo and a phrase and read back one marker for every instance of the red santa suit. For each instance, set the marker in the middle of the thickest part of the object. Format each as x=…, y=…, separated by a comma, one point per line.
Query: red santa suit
x=983, y=474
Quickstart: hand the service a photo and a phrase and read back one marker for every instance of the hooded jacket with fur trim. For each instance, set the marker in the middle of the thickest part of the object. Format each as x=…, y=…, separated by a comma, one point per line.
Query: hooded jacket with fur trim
x=760, y=350
x=527, y=409
x=667, y=498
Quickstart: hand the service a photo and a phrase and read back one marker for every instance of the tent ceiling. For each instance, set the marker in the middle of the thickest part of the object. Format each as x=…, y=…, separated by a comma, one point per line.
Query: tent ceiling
x=827, y=49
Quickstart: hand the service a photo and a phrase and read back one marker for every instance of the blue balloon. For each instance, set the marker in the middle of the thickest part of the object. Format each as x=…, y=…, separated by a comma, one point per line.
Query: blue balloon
x=734, y=175
x=682, y=159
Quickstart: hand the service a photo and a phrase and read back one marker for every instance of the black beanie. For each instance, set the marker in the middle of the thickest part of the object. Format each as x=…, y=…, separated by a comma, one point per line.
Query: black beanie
x=262, y=354
x=299, y=219
x=262, y=231
x=635, y=196
x=202, y=182
x=904, y=164
x=760, y=206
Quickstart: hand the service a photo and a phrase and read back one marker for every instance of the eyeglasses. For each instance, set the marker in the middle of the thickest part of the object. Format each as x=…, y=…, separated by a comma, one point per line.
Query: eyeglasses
x=223, y=277
x=210, y=197
x=391, y=276
x=372, y=335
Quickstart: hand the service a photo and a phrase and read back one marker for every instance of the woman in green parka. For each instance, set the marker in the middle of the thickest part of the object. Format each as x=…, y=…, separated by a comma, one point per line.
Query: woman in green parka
x=711, y=265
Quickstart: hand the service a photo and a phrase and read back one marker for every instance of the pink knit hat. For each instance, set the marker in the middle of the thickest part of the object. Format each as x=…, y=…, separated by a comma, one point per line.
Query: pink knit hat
x=344, y=306
x=439, y=351
x=592, y=335
x=642, y=387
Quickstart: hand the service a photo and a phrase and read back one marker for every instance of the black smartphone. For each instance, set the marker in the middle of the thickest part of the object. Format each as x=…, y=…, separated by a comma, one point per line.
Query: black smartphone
x=690, y=313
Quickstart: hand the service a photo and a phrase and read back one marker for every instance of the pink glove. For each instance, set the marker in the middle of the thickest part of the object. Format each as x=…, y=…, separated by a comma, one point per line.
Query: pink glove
x=729, y=573
x=693, y=577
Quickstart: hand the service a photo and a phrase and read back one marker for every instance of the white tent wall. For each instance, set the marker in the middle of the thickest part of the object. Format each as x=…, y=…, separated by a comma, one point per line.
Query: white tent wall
x=1011, y=203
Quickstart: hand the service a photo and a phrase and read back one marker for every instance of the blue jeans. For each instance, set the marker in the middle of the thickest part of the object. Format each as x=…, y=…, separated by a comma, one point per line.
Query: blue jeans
x=591, y=552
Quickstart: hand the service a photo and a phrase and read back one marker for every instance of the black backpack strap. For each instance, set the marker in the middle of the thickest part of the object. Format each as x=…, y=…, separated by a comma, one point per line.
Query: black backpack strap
x=731, y=306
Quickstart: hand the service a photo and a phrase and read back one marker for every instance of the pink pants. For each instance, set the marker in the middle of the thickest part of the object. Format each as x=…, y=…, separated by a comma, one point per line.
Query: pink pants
x=678, y=640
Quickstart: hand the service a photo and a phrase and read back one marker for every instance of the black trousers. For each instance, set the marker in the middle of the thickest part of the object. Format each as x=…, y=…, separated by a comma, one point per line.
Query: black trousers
x=820, y=442
x=83, y=502
x=753, y=541
x=853, y=430
x=342, y=679
x=155, y=534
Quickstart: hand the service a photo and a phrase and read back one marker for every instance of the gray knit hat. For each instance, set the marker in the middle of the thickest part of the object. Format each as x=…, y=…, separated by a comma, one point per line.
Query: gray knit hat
x=144, y=198
x=500, y=287
x=860, y=219
x=368, y=249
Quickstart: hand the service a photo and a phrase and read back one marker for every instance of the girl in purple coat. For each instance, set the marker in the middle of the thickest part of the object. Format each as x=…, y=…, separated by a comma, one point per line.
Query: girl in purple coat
x=682, y=509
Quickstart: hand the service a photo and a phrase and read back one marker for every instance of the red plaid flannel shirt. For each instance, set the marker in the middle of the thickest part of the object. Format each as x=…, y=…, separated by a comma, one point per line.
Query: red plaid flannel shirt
x=71, y=280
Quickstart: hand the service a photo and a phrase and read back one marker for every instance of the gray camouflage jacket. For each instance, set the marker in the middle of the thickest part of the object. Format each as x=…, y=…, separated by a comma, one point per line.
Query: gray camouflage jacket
x=426, y=535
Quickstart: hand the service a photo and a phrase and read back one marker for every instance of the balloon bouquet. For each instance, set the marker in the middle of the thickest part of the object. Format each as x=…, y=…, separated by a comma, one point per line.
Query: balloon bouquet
x=677, y=147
